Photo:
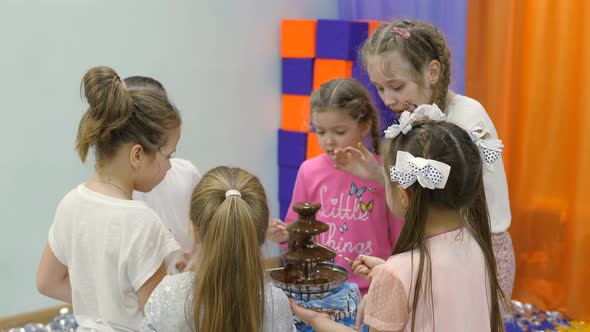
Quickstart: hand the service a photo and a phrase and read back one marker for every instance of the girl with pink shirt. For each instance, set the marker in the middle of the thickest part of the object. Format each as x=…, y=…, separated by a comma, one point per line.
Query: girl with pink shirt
x=442, y=274
x=354, y=209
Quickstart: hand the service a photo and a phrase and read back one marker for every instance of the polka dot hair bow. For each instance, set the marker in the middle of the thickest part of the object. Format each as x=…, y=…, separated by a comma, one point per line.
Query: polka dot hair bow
x=490, y=148
x=422, y=112
x=430, y=173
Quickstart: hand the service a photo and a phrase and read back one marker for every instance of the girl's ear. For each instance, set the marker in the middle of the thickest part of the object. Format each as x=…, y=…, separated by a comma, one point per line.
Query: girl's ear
x=136, y=156
x=366, y=127
x=404, y=197
x=432, y=72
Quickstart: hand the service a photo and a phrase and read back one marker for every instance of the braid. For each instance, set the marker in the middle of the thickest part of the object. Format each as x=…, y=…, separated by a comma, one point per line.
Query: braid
x=443, y=55
x=375, y=137
x=423, y=139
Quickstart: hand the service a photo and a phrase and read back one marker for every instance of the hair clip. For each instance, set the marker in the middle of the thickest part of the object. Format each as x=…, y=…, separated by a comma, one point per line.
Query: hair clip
x=361, y=115
x=402, y=32
x=363, y=112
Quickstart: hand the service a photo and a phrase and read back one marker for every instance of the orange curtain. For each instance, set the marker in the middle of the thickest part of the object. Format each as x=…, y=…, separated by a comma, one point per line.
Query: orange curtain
x=528, y=63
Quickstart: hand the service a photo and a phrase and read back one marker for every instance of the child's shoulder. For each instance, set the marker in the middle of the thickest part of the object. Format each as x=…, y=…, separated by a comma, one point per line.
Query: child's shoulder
x=166, y=307
x=176, y=283
x=402, y=264
x=182, y=165
x=466, y=112
x=464, y=102
x=83, y=197
x=321, y=161
x=182, y=173
x=395, y=271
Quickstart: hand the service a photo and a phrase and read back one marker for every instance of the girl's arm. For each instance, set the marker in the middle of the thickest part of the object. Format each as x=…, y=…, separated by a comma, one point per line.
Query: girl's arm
x=322, y=322
x=53, y=279
x=144, y=292
x=319, y=321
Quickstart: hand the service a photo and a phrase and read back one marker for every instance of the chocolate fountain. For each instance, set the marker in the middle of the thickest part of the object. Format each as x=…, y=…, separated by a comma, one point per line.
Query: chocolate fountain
x=307, y=275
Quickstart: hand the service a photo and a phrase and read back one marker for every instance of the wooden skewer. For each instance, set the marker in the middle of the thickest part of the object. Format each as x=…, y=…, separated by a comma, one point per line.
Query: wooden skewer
x=334, y=251
x=274, y=269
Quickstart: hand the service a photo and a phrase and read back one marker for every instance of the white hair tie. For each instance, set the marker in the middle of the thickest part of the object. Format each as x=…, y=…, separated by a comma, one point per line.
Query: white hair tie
x=422, y=112
x=232, y=192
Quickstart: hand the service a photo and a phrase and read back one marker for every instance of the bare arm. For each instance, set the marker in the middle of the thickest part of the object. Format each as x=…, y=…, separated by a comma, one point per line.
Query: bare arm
x=144, y=292
x=277, y=231
x=321, y=321
x=53, y=279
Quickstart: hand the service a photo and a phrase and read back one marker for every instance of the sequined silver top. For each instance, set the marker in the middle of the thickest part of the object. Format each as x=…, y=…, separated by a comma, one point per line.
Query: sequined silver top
x=169, y=308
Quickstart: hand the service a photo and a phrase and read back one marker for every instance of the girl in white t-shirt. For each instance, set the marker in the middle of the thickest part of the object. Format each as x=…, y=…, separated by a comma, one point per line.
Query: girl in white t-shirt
x=409, y=63
x=171, y=198
x=106, y=252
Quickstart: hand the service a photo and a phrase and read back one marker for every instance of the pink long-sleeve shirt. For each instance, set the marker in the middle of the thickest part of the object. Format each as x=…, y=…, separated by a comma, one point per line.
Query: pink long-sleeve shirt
x=354, y=209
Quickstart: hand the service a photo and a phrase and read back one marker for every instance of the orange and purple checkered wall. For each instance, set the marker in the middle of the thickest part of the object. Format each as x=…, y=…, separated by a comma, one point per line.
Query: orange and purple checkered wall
x=314, y=52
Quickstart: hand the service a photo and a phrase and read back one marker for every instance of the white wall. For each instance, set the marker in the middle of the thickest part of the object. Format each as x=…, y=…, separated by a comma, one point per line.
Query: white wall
x=219, y=60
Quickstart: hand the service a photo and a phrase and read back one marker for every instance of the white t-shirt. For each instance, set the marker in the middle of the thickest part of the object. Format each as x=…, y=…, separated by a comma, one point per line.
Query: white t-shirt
x=171, y=200
x=466, y=113
x=111, y=247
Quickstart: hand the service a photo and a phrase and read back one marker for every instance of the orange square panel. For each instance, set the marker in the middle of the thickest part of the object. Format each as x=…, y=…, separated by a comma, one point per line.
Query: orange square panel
x=313, y=146
x=327, y=69
x=298, y=38
x=296, y=113
x=373, y=25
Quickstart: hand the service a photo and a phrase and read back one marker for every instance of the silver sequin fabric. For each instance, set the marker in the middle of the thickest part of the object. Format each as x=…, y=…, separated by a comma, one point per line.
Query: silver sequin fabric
x=169, y=308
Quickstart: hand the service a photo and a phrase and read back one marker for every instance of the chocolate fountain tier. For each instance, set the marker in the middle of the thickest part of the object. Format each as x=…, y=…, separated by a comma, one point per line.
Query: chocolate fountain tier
x=307, y=255
x=301, y=228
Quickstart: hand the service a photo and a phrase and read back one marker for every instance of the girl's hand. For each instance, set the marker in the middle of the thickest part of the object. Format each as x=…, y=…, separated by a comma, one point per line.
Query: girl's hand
x=185, y=263
x=277, y=231
x=359, y=162
x=319, y=321
x=307, y=315
x=363, y=266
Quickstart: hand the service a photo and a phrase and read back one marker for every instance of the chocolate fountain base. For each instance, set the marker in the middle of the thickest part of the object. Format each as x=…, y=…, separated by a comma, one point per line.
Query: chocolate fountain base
x=329, y=277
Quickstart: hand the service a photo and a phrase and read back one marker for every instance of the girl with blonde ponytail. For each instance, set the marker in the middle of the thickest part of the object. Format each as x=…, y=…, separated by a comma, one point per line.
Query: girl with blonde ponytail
x=226, y=291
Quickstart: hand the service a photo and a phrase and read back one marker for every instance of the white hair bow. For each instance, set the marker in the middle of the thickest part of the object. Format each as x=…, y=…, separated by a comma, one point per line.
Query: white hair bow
x=422, y=112
x=490, y=148
x=430, y=173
